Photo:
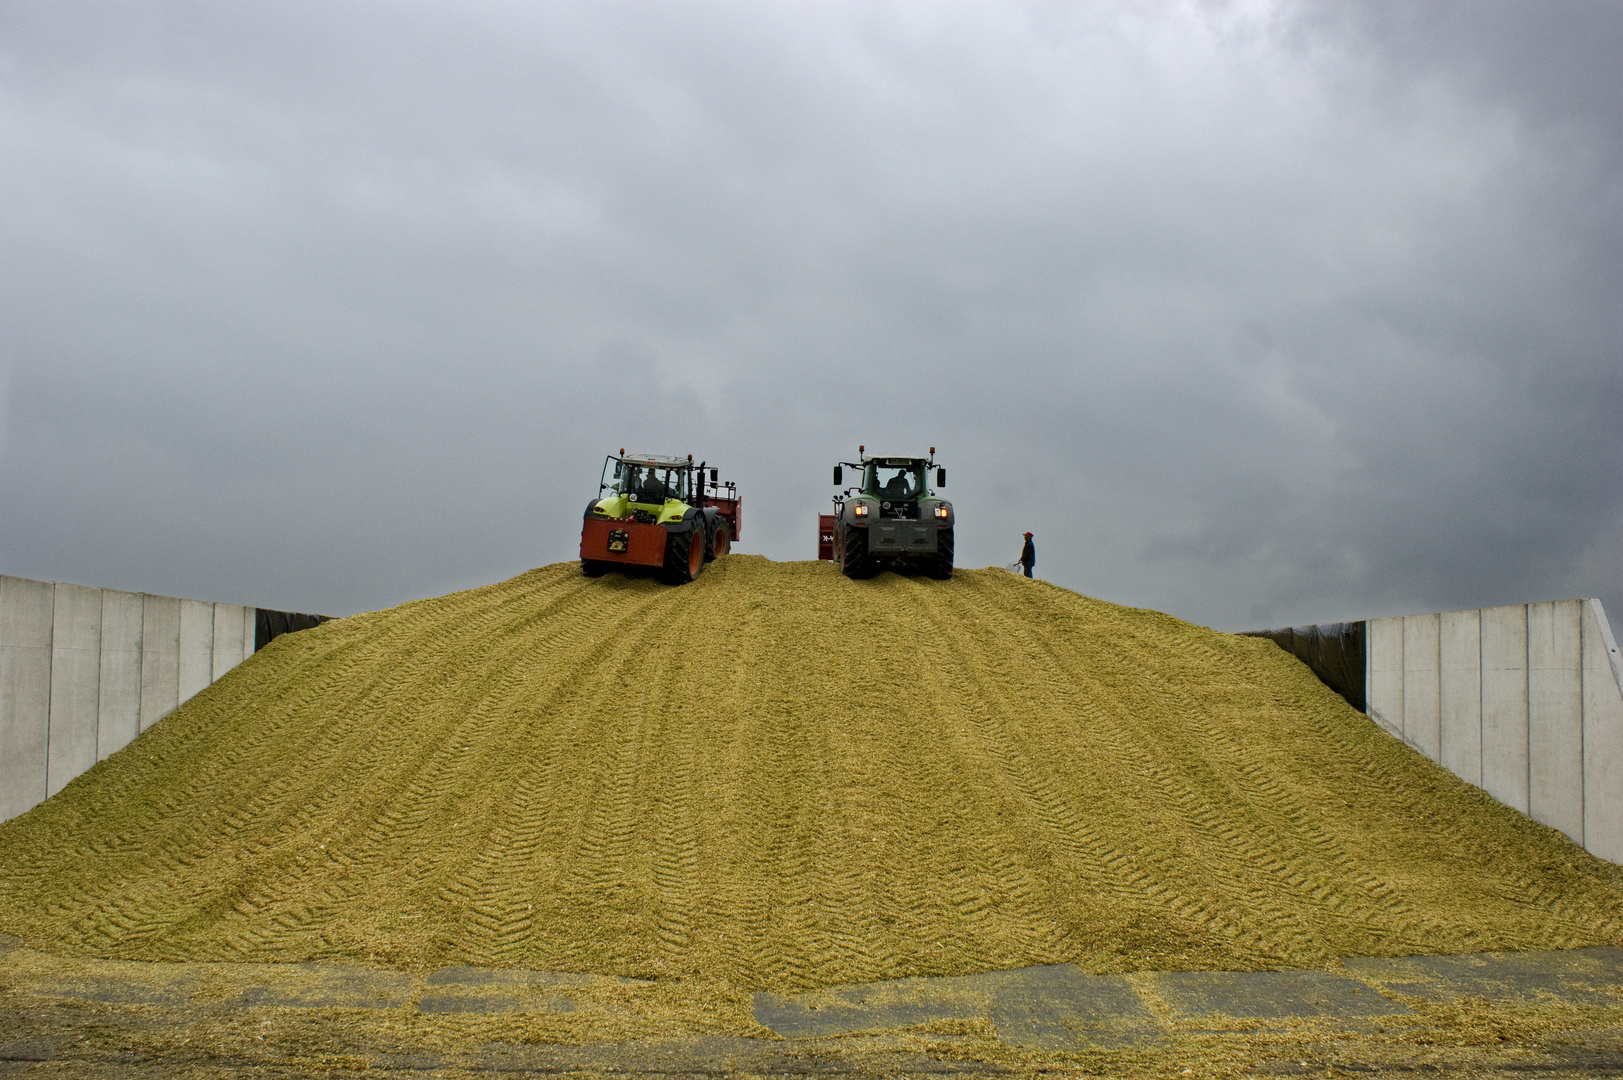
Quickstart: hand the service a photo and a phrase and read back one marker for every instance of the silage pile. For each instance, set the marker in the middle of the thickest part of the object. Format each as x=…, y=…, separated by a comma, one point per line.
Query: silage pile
x=778, y=778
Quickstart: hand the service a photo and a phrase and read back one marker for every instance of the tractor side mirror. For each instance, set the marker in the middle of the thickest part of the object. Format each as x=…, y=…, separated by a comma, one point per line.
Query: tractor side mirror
x=839, y=476
x=941, y=478
x=617, y=470
x=713, y=473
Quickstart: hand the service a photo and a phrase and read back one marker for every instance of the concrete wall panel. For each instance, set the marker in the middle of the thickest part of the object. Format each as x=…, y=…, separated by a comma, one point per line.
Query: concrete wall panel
x=1603, y=736
x=1383, y=673
x=83, y=671
x=160, y=658
x=1422, y=705
x=1555, y=716
x=1504, y=704
x=1460, y=693
x=26, y=611
x=75, y=684
x=227, y=638
x=118, y=713
x=196, y=647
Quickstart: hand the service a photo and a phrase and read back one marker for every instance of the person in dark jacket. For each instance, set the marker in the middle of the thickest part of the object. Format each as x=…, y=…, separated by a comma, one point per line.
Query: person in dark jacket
x=1028, y=555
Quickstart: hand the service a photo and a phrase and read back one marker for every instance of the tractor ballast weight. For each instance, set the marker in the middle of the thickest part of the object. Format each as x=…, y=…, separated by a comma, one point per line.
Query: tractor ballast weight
x=891, y=520
x=661, y=513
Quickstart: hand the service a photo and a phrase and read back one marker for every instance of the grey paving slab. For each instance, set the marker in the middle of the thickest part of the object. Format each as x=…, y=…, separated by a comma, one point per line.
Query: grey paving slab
x=865, y=1008
x=1060, y=1008
x=320, y=986
x=1052, y=1007
x=116, y=982
x=507, y=990
x=1269, y=995
x=1580, y=976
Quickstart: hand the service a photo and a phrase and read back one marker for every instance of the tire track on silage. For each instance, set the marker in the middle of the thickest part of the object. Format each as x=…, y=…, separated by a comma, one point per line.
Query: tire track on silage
x=1136, y=872
x=501, y=887
x=300, y=903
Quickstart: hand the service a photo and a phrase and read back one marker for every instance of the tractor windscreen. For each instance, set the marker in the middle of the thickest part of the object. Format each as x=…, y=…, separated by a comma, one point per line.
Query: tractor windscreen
x=652, y=483
x=894, y=479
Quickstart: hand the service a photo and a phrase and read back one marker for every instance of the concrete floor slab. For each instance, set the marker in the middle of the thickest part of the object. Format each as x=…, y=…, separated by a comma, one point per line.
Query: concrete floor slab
x=464, y=989
x=1060, y=1008
x=320, y=986
x=1053, y=1007
x=1579, y=976
x=1269, y=995
x=875, y=1007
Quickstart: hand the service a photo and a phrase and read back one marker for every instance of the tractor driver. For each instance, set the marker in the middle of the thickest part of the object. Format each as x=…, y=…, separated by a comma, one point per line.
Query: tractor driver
x=899, y=486
x=653, y=489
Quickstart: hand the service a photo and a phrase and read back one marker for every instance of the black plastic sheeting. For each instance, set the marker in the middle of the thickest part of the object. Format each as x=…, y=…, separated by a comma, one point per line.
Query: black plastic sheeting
x=270, y=625
x=1335, y=652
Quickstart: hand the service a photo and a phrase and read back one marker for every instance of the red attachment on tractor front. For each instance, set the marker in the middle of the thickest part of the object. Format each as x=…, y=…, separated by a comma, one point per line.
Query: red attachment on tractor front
x=624, y=541
x=825, y=536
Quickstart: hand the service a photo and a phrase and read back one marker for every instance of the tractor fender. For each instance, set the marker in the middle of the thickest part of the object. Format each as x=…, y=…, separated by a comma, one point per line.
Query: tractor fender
x=690, y=519
x=589, y=508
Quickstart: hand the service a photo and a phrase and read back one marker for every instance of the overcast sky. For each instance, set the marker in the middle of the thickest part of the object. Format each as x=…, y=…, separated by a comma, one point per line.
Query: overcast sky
x=1254, y=313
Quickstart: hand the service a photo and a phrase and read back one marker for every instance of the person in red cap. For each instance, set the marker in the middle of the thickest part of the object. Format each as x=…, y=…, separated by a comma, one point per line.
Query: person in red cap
x=1028, y=555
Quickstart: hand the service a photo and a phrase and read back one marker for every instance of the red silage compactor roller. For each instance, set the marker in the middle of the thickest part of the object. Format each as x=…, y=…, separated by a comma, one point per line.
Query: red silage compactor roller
x=661, y=513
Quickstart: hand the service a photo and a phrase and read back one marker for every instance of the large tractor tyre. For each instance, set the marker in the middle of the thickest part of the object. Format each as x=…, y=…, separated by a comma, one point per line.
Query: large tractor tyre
x=595, y=567
x=856, y=562
x=941, y=569
x=721, y=542
x=684, y=554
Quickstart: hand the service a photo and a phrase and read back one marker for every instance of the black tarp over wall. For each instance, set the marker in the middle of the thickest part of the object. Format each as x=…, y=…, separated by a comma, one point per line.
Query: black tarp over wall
x=1335, y=652
x=269, y=625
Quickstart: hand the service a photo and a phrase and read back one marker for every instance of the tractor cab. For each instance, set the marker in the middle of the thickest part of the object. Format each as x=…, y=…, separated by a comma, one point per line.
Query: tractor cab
x=647, y=485
x=893, y=479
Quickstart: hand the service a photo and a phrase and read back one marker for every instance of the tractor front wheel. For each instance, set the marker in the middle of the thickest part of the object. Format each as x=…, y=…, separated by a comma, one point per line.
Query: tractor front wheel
x=684, y=554
x=595, y=567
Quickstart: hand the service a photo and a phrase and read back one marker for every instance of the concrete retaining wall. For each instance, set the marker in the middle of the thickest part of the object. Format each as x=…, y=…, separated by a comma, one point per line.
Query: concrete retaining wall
x=83, y=671
x=1526, y=702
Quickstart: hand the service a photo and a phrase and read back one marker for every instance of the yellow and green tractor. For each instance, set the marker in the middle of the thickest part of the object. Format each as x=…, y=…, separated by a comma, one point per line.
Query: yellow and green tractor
x=661, y=514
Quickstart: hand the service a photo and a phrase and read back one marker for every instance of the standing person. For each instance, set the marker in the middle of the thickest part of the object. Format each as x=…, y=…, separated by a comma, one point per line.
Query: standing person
x=1028, y=555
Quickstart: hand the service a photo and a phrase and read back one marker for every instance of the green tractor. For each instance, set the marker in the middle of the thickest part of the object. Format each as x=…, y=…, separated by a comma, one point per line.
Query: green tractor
x=891, y=520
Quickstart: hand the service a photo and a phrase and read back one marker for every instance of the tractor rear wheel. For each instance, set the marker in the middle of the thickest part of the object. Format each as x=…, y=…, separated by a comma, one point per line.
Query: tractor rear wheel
x=721, y=543
x=595, y=567
x=684, y=554
x=942, y=568
x=855, y=561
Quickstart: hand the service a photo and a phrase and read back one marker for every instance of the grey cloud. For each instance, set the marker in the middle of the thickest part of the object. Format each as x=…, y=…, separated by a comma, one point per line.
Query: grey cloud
x=1255, y=314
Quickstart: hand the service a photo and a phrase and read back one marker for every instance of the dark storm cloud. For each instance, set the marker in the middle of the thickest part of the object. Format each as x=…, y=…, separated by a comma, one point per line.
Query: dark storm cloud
x=1255, y=314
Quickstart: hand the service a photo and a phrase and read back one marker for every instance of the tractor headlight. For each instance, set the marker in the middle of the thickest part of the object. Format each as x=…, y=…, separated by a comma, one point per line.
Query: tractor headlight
x=941, y=511
x=860, y=510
